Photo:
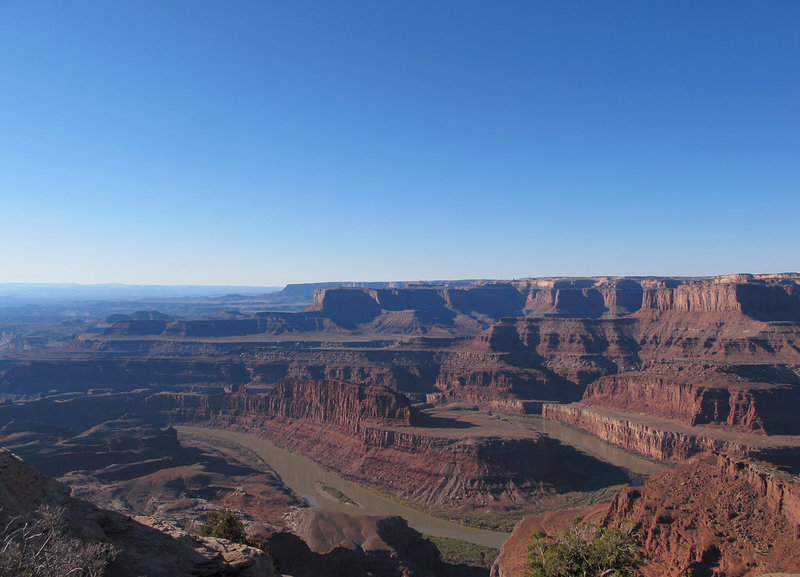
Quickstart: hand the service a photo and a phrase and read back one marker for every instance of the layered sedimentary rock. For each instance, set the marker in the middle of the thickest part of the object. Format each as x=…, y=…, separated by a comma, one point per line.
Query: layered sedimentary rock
x=536, y=359
x=348, y=406
x=374, y=436
x=667, y=440
x=697, y=394
x=448, y=309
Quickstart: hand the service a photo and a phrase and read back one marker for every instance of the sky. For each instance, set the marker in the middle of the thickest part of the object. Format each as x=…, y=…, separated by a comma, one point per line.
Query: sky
x=271, y=142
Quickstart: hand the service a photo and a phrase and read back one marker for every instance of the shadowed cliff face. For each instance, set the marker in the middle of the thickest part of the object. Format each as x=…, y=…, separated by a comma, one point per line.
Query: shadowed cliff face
x=23, y=490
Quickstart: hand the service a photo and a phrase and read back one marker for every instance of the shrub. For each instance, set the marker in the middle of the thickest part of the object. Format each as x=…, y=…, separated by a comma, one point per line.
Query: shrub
x=583, y=550
x=224, y=524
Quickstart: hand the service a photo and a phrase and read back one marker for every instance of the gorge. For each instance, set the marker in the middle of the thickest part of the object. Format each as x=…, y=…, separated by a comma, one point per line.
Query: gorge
x=430, y=393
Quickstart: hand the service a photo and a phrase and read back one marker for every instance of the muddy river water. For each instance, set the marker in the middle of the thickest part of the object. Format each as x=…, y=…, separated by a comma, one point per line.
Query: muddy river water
x=306, y=478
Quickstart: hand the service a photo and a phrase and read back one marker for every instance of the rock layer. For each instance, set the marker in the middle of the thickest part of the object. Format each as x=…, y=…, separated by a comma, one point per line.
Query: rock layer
x=369, y=436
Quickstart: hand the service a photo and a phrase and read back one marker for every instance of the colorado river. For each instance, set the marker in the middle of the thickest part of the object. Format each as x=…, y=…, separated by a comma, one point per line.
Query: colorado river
x=638, y=467
x=305, y=478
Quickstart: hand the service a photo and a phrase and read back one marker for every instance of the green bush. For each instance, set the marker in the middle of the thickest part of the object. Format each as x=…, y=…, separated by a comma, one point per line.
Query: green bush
x=224, y=524
x=583, y=550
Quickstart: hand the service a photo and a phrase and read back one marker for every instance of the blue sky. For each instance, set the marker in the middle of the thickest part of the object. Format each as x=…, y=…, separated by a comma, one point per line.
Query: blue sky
x=263, y=143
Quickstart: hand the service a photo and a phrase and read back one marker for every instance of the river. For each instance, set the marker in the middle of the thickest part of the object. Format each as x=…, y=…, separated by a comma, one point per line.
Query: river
x=305, y=478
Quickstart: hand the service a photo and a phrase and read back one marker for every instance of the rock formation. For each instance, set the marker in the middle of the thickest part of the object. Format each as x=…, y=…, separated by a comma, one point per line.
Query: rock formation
x=372, y=436
x=23, y=490
x=714, y=515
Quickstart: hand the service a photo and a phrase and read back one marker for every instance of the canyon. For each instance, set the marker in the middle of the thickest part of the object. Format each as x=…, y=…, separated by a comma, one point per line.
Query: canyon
x=425, y=391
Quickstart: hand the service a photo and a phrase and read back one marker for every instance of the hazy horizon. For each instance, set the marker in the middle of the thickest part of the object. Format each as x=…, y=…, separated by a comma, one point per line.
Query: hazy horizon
x=264, y=144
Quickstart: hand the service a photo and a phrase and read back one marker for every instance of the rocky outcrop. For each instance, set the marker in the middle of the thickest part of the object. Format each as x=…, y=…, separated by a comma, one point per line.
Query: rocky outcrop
x=134, y=541
x=513, y=558
x=715, y=515
x=380, y=542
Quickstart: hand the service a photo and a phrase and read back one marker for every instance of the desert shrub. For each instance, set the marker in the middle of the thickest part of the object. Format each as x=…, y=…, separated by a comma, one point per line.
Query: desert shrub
x=224, y=524
x=40, y=545
x=583, y=550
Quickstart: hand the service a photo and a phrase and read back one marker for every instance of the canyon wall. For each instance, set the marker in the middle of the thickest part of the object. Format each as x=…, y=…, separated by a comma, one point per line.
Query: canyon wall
x=372, y=436
x=665, y=440
x=348, y=406
x=699, y=394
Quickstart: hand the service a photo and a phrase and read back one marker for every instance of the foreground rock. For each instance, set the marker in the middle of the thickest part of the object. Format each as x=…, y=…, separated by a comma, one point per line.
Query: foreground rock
x=141, y=546
x=333, y=544
x=715, y=515
x=513, y=558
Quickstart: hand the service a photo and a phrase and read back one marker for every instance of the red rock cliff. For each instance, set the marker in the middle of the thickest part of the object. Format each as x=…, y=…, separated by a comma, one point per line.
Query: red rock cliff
x=716, y=515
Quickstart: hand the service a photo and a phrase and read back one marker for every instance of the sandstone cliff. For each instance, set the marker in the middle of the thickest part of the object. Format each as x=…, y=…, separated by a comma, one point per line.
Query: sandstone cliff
x=672, y=441
x=348, y=406
x=374, y=437
x=698, y=394
x=464, y=309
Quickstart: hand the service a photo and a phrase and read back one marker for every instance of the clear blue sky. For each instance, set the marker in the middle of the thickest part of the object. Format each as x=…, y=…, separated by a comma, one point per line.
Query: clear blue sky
x=265, y=142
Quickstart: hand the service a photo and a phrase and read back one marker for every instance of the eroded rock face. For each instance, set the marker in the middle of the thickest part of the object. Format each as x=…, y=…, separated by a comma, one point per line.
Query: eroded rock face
x=716, y=515
x=665, y=440
x=368, y=435
x=697, y=394
x=349, y=406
